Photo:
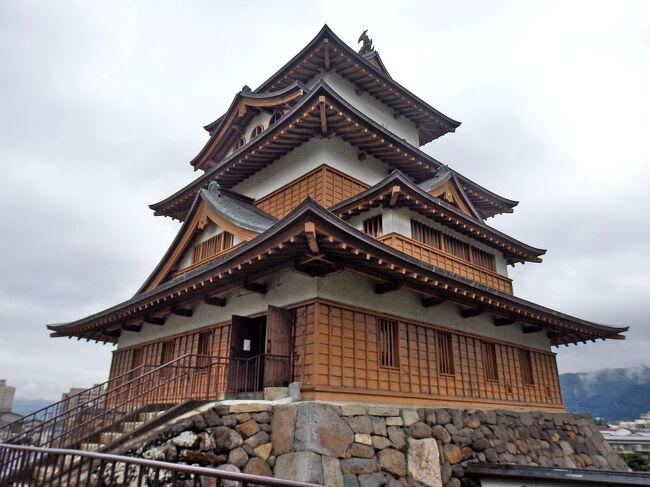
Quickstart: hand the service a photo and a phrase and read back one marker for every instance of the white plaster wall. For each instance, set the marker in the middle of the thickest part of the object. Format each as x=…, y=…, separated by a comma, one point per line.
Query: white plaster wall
x=288, y=287
x=285, y=288
x=334, y=152
x=208, y=232
x=399, y=221
x=356, y=290
x=370, y=106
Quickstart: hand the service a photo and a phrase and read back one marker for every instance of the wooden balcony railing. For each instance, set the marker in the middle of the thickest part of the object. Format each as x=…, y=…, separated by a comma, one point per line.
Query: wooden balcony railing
x=202, y=262
x=448, y=262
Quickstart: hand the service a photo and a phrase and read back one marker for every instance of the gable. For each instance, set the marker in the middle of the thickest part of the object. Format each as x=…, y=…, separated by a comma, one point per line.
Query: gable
x=207, y=228
x=451, y=193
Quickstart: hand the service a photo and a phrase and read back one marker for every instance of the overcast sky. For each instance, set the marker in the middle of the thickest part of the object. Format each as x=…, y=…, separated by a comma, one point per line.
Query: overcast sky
x=102, y=106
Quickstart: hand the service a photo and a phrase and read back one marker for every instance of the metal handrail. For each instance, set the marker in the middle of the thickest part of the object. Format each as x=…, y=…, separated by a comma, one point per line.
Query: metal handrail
x=69, y=399
x=111, y=392
x=20, y=472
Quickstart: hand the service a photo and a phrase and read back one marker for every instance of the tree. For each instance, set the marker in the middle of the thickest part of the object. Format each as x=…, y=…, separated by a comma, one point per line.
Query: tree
x=637, y=462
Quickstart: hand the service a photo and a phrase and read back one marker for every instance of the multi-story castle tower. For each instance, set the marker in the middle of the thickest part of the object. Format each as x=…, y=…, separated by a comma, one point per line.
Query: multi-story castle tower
x=322, y=246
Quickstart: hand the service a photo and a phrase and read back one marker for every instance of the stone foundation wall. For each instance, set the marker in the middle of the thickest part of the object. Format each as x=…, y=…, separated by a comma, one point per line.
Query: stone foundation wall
x=357, y=445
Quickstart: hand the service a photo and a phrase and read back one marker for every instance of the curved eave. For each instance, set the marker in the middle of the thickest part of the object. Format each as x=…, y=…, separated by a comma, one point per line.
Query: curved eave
x=327, y=33
x=217, y=127
x=503, y=205
x=528, y=252
x=428, y=164
x=288, y=238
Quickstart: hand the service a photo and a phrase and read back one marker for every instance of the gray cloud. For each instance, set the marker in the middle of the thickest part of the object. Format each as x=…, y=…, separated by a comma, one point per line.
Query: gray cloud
x=102, y=108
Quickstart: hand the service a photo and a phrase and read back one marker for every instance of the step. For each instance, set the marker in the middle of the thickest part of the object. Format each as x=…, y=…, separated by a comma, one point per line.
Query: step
x=91, y=446
x=109, y=437
x=146, y=417
x=129, y=426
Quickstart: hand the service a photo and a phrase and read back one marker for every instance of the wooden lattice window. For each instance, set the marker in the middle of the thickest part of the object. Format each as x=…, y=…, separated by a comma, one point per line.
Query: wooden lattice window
x=212, y=246
x=445, y=353
x=388, y=331
x=257, y=131
x=483, y=259
x=455, y=247
x=204, y=348
x=277, y=115
x=373, y=226
x=240, y=143
x=490, y=361
x=526, y=365
x=425, y=234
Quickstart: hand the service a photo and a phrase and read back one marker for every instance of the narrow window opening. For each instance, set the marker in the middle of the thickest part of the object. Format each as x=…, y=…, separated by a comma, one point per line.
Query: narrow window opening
x=490, y=361
x=257, y=131
x=388, y=343
x=212, y=246
x=373, y=226
x=425, y=234
x=445, y=353
x=526, y=365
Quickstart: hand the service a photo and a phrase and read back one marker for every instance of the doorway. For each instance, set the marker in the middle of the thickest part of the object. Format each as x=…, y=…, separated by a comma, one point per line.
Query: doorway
x=260, y=351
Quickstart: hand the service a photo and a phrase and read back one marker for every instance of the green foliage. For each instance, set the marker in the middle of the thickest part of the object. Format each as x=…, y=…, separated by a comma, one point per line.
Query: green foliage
x=637, y=462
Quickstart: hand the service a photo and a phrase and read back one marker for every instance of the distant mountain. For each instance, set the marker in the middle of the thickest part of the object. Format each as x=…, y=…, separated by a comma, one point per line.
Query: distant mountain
x=27, y=406
x=613, y=394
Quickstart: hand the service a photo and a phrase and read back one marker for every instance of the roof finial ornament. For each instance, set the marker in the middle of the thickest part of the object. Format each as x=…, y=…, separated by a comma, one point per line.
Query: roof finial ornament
x=215, y=188
x=246, y=89
x=367, y=47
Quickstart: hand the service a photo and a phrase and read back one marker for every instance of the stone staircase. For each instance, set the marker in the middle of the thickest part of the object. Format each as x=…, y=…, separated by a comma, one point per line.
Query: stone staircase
x=121, y=429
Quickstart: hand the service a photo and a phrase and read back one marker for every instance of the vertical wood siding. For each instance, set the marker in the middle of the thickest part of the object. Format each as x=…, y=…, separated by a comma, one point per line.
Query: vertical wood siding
x=349, y=356
x=325, y=185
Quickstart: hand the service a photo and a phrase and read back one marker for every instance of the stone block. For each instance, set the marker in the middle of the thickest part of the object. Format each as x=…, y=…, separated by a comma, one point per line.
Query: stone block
x=294, y=391
x=302, y=466
x=409, y=416
x=238, y=457
x=419, y=430
x=257, y=466
x=358, y=466
x=353, y=410
x=283, y=426
x=212, y=418
x=229, y=468
x=360, y=424
x=363, y=438
x=378, y=425
x=383, y=411
x=250, y=407
x=442, y=417
x=187, y=439
x=257, y=439
x=263, y=417
x=275, y=393
x=206, y=441
x=225, y=439
x=424, y=462
x=350, y=480
x=320, y=429
x=263, y=451
x=372, y=480
x=332, y=474
x=380, y=442
x=394, y=421
x=392, y=461
x=248, y=428
x=360, y=451
x=242, y=417
x=453, y=454
x=397, y=437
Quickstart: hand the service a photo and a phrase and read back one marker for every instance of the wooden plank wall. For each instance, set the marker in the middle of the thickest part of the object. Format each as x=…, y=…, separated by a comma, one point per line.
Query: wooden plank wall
x=348, y=357
x=325, y=185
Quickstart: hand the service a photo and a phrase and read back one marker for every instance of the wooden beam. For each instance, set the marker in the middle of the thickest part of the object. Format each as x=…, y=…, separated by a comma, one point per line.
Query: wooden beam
x=326, y=54
x=498, y=321
x=186, y=312
x=215, y=300
x=310, y=232
x=386, y=287
x=155, y=320
x=323, y=115
x=531, y=328
x=469, y=312
x=255, y=287
x=132, y=326
x=115, y=332
x=394, y=194
x=432, y=301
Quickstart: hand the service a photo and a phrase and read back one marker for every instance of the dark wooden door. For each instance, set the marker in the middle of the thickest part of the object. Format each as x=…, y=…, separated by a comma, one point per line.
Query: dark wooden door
x=244, y=367
x=279, y=324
